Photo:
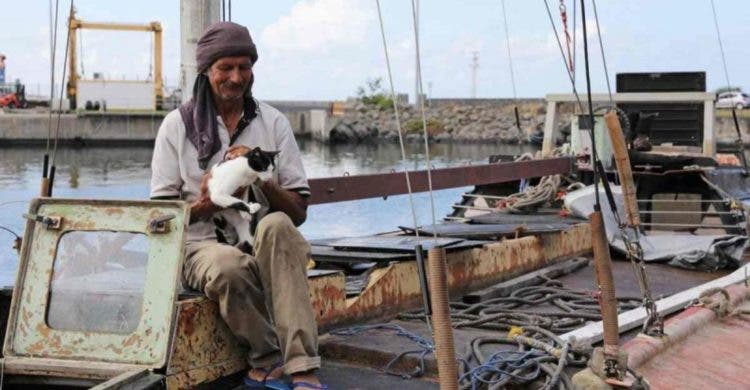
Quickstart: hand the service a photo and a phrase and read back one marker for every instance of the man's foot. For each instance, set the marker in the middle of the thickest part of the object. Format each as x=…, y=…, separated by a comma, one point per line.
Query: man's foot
x=307, y=380
x=266, y=373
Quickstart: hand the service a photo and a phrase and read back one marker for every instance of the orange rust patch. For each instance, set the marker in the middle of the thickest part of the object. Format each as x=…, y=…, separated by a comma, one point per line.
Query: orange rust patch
x=187, y=319
x=113, y=210
x=43, y=330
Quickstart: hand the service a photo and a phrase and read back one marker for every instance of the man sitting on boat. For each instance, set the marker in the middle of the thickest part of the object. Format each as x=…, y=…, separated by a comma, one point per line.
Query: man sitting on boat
x=264, y=297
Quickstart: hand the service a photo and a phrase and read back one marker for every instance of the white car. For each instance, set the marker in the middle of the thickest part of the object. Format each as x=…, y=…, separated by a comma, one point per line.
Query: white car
x=735, y=99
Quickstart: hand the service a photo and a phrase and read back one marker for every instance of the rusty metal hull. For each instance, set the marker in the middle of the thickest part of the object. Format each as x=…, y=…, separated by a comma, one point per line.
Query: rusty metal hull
x=395, y=288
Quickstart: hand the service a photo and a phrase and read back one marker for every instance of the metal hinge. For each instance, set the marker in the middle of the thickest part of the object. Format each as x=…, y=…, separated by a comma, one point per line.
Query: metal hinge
x=52, y=223
x=160, y=224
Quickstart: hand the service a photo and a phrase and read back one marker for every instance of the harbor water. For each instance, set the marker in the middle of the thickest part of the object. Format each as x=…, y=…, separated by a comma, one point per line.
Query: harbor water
x=124, y=173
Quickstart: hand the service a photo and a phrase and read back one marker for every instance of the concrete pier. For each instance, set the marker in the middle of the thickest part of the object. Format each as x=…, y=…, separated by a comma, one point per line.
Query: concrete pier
x=25, y=127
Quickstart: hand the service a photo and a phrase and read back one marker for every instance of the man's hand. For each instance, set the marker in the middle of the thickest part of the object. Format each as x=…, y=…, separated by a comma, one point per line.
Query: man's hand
x=236, y=151
x=202, y=209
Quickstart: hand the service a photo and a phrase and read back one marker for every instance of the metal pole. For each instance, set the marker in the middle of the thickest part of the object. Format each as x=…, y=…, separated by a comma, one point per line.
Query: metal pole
x=195, y=17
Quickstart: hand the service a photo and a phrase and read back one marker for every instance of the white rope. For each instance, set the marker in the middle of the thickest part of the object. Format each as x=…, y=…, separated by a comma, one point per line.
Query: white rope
x=424, y=119
x=604, y=59
x=398, y=121
x=510, y=58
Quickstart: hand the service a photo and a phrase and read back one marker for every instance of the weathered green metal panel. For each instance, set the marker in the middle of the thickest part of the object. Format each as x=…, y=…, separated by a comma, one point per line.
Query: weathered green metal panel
x=28, y=333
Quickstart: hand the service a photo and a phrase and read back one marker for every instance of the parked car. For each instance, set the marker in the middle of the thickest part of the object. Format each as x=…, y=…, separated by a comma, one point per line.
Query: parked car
x=734, y=99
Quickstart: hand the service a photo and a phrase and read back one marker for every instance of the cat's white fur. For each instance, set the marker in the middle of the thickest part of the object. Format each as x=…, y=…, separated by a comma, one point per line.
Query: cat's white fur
x=225, y=179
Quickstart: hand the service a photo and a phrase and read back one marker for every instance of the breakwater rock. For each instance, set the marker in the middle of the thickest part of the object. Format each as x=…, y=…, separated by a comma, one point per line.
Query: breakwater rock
x=463, y=120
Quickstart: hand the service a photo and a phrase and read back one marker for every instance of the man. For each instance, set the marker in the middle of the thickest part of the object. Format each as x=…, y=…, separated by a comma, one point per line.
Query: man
x=2, y=68
x=224, y=120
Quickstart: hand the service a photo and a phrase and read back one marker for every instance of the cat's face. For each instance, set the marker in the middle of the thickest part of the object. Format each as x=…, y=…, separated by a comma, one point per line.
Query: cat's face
x=261, y=160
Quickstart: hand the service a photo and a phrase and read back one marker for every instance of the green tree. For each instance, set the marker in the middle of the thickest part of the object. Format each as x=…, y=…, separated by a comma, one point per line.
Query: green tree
x=374, y=94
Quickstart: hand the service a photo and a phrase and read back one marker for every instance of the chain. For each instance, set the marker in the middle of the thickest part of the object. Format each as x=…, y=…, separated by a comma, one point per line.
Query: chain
x=654, y=324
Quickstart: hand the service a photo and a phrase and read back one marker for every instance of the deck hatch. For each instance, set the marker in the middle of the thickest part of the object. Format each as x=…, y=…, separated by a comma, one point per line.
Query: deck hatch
x=115, y=280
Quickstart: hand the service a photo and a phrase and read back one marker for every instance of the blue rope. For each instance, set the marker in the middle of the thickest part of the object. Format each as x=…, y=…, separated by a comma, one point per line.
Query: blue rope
x=501, y=367
x=426, y=346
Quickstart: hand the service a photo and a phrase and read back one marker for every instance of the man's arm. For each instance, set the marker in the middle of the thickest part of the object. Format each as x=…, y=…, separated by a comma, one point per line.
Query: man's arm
x=289, y=202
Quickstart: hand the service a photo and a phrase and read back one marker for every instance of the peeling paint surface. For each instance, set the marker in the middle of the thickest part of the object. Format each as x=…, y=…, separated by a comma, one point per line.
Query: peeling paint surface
x=203, y=341
x=395, y=288
x=29, y=333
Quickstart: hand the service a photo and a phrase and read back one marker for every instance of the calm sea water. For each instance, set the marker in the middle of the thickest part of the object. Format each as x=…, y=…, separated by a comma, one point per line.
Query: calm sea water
x=124, y=173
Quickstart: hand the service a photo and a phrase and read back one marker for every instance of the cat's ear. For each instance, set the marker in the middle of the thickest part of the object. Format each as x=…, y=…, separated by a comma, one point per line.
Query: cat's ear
x=270, y=154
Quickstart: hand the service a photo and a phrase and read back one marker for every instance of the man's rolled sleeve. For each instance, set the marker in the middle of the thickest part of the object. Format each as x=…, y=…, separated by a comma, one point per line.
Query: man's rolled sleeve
x=165, y=164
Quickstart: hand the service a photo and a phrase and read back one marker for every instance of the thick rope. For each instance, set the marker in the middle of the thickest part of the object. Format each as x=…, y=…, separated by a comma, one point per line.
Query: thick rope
x=398, y=120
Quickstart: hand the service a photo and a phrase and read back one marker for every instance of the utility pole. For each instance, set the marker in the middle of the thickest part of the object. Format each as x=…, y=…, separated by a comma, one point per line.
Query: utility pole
x=417, y=94
x=474, y=67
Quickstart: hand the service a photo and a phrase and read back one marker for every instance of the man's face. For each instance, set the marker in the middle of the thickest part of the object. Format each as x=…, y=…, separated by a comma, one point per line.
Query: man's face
x=230, y=77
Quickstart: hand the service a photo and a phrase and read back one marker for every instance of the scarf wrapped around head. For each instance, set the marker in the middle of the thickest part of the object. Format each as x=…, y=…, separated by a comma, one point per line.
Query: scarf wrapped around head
x=222, y=39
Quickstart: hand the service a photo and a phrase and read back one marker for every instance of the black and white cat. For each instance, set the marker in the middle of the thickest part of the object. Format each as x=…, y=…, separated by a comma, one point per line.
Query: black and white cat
x=226, y=178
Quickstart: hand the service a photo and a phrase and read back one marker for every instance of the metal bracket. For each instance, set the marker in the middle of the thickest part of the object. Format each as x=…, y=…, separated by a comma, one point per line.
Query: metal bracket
x=160, y=224
x=52, y=223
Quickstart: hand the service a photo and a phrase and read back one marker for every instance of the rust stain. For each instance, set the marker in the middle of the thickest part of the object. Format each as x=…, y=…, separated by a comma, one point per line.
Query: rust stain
x=187, y=319
x=43, y=330
x=110, y=211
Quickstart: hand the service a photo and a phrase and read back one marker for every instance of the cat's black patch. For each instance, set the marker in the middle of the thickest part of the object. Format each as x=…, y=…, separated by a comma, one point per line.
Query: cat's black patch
x=247, y=248
x=239, y=206
x=259, y=160
x=220, y=238
x=221, y=223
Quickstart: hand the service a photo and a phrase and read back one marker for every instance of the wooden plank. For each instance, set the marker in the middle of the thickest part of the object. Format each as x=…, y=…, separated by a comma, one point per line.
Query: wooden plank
x=624, y=170
x=592, y=333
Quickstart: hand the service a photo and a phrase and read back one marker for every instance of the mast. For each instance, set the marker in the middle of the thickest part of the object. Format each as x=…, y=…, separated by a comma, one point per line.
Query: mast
x=195, y=17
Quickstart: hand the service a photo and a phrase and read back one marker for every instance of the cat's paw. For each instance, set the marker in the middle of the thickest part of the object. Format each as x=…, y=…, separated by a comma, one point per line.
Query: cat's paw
x=253, y=208
x=246, y=216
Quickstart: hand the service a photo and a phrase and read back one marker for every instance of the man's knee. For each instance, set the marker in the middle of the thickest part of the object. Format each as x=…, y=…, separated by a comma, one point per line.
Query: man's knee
x=229, y=268
x=276, y=222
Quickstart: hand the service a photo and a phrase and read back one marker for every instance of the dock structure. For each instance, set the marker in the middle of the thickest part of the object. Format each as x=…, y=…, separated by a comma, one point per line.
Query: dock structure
x=307, y=118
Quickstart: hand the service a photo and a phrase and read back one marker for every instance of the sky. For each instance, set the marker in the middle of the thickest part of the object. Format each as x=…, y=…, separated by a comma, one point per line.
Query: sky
x=326, y=49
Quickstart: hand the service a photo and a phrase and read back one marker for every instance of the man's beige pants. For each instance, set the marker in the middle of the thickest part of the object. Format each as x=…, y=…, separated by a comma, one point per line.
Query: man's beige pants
x=247, y=287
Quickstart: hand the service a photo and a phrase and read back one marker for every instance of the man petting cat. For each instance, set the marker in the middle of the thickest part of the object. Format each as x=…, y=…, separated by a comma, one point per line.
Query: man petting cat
x=264, y=297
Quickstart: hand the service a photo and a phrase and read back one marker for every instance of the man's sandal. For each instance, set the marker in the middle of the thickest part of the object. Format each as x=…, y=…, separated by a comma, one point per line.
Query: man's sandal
x=274, y=384
x=308, y=385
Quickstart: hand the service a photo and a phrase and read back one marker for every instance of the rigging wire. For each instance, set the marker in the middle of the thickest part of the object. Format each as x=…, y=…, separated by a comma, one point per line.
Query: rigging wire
x=575, y=39
x=604, y=58
x=424, y=119
x=562, y=54
x=721, y=45
x=398, y=121
x=510, y=65
x=59, y=114
x=594, y=156
x=53, y=50
x=729, y=86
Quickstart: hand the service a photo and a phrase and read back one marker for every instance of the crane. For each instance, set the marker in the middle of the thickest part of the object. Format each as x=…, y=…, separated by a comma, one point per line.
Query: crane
x=74, y=24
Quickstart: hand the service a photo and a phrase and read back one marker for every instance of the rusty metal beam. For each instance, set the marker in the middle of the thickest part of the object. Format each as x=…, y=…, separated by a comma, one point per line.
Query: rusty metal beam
x=338, y=189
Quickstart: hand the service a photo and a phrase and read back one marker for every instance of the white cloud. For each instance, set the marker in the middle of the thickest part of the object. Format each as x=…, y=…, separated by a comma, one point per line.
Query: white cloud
x=314, y=25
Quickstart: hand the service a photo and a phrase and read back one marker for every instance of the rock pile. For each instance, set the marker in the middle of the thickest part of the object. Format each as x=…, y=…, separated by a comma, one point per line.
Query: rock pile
x=463, y=122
